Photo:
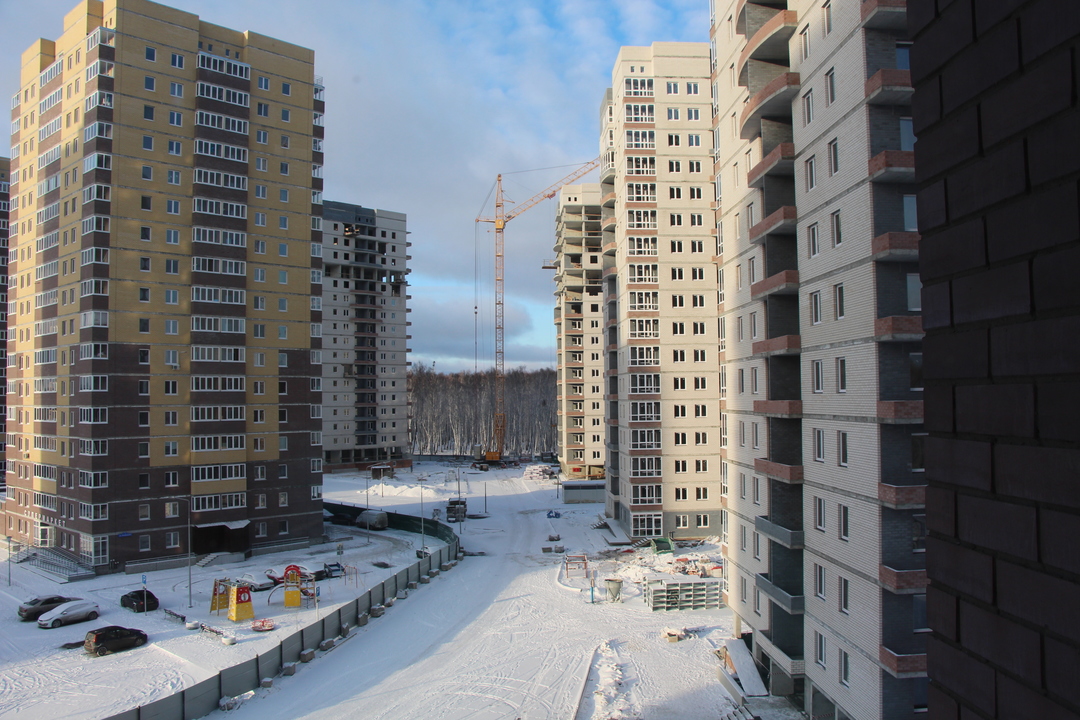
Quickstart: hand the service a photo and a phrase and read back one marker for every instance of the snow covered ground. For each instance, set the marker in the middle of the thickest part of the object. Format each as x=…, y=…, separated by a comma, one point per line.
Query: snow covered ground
x=504, y=635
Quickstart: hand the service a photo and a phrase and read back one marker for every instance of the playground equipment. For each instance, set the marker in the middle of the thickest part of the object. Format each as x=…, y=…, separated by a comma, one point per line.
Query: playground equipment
x=297, y=584
x=233, y=596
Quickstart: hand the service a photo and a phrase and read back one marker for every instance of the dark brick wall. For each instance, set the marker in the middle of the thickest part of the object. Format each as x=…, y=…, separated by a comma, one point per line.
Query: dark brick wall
x=998, y=163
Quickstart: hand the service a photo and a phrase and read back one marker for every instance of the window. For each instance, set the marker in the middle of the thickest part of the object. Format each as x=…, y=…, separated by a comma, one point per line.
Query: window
x=147, y=142
x=838, y=300
x=907, y=134
x=702, y=521
x=826, y=17
x=834, y=156
x=148, y=112
x=911, y=214
x=176, y=89
x=819, y=445
x=843, y=518
x=812, y=240
x=834, y=221
x=804, y=41
x=262, y=110
x=819, y=648
x=151, y=54
x=819, y=513
x=177, y=61
x=819, y=581
x=811, y=173
x=808, y=107
x=149, y=83
x=841, y=375
x=815, y=308
x=174, y=179
x=842, y=593
x=845, y=668
x=914, y=292
x=817, y=376
x=175, y=118
x=284, y=168
x=756, y=483
x=903, y=56
x=830, y=86
x=841, y=448
x=172, y=207
x=174, y=147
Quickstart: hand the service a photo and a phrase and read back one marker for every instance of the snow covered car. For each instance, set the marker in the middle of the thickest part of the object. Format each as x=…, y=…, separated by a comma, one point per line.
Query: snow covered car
x=69, y=612
x=34, y=608
x=278, y=576
x=255, y=584
x=112, y=638
x=139, y=601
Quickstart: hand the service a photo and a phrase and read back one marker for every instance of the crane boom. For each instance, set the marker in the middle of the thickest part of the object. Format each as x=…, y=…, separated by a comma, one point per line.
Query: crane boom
x=499, y=221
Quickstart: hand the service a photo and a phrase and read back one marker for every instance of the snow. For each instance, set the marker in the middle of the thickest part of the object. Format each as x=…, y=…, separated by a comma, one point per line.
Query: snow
x=503, y=635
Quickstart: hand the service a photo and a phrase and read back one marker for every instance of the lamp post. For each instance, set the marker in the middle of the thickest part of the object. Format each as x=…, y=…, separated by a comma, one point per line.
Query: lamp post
x=367, y=508
x=189, y=553
x=423, y=537
x=9, y=560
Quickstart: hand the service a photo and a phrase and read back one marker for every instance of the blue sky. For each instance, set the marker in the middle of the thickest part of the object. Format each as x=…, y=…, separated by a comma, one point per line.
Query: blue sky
x=426, y=103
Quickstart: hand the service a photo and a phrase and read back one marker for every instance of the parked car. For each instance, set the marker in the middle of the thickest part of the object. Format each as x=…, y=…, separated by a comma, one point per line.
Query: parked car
x=34, y=608
x=372, y=520
x=139, y=601
x=69, y=612
x=278, y=576
x=254, y=583
x=339, y=519
x=112, y=638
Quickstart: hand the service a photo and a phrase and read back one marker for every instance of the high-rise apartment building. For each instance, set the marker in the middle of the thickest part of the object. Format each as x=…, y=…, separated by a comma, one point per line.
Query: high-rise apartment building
x=820, y=332
x=5, y=203
x=365, y=337
x=164, y=350
x=579, y=317
x=663, y=398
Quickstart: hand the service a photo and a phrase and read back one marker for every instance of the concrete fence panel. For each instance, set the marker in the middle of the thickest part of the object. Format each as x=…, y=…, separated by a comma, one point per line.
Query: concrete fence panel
x=238, y=679
x=132, y=714
x=347, y=613
x=270, y=663
x=169, y=707
x=291, y=647
x=331, y=625
x=376, y=594
x=403, y=578
x=363, y=603
x=201, y=699
x=313, y=635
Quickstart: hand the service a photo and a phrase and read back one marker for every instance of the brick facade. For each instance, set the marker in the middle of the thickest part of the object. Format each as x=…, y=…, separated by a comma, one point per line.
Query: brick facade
x=998, y=160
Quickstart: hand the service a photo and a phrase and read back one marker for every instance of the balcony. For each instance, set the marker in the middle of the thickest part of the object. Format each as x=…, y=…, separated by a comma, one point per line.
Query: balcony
x=791, y=474
x=782, y=345
x=892, y=166
x=793, y=667
x=889, y=86
x=900, y=411
x=778, y=408
x=902, y=666
x=902, y=497
x=898, y=328
x=785, y=282
x=902, y=582
x=884, y=14
x=779, y=222
x=773, y=100
x=780, y=161
x=791, y=539
x=770, y=42
x=895, y=247
x=608, y=224
x=792, y=604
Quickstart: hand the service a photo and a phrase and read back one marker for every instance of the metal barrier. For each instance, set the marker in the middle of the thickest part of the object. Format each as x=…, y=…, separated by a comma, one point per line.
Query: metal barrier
x=202, y=698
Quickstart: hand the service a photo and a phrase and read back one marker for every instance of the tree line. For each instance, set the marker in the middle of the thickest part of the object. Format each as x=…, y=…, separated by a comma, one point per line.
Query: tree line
x=453, y=411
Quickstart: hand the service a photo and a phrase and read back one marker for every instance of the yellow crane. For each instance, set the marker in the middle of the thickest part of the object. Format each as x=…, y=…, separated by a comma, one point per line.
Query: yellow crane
x=502, y=216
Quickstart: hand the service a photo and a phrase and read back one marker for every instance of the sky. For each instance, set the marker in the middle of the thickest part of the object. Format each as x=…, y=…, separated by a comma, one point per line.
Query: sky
x=426, y=102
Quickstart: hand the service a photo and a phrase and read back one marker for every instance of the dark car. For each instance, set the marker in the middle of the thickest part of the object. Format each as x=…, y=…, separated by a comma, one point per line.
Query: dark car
x=34, y=608
x=139, y=601
x=340, y=519
x=112, y=638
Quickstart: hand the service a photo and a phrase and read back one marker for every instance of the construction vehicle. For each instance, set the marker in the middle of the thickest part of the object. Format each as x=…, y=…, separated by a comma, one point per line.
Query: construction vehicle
x=502, y=216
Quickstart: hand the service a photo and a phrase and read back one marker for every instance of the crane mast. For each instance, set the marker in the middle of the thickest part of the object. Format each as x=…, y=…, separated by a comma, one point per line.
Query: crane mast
x=501, y=217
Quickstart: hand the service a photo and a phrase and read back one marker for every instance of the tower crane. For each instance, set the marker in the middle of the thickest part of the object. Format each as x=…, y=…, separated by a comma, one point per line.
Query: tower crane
x=502, y=216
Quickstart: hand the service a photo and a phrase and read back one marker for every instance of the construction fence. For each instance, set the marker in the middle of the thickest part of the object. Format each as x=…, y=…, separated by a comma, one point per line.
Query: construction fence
x=204, y=697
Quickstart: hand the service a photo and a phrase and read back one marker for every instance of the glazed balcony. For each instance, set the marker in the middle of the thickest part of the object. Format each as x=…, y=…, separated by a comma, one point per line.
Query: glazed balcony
x=785, y=282
x=773, y=100
x=892, y=166
x=884, y=14
x=770, y=42
x=889, y=87
x=780, y=162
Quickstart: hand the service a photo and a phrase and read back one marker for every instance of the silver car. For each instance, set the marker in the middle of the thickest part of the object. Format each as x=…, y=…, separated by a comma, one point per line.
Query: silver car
x=69, y=612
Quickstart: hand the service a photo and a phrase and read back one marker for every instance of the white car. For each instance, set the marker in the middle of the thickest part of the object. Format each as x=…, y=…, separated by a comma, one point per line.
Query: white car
x=254, y=583
x=69, y=612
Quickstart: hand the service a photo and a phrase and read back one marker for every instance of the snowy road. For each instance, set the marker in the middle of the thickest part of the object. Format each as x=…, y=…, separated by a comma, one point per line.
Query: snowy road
x=501, y=637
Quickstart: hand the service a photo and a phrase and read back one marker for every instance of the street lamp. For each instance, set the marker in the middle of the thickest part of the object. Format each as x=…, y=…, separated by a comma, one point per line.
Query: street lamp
x=367, y=508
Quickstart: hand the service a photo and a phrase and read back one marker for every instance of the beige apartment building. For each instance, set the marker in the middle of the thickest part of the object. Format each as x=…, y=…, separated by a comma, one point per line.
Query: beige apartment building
x=579, y=317
x=164, y=351
x=820, y=334
x=663, y=397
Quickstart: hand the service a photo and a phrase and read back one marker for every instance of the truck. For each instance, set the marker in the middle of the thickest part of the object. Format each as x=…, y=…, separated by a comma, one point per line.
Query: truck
x=455, y=510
